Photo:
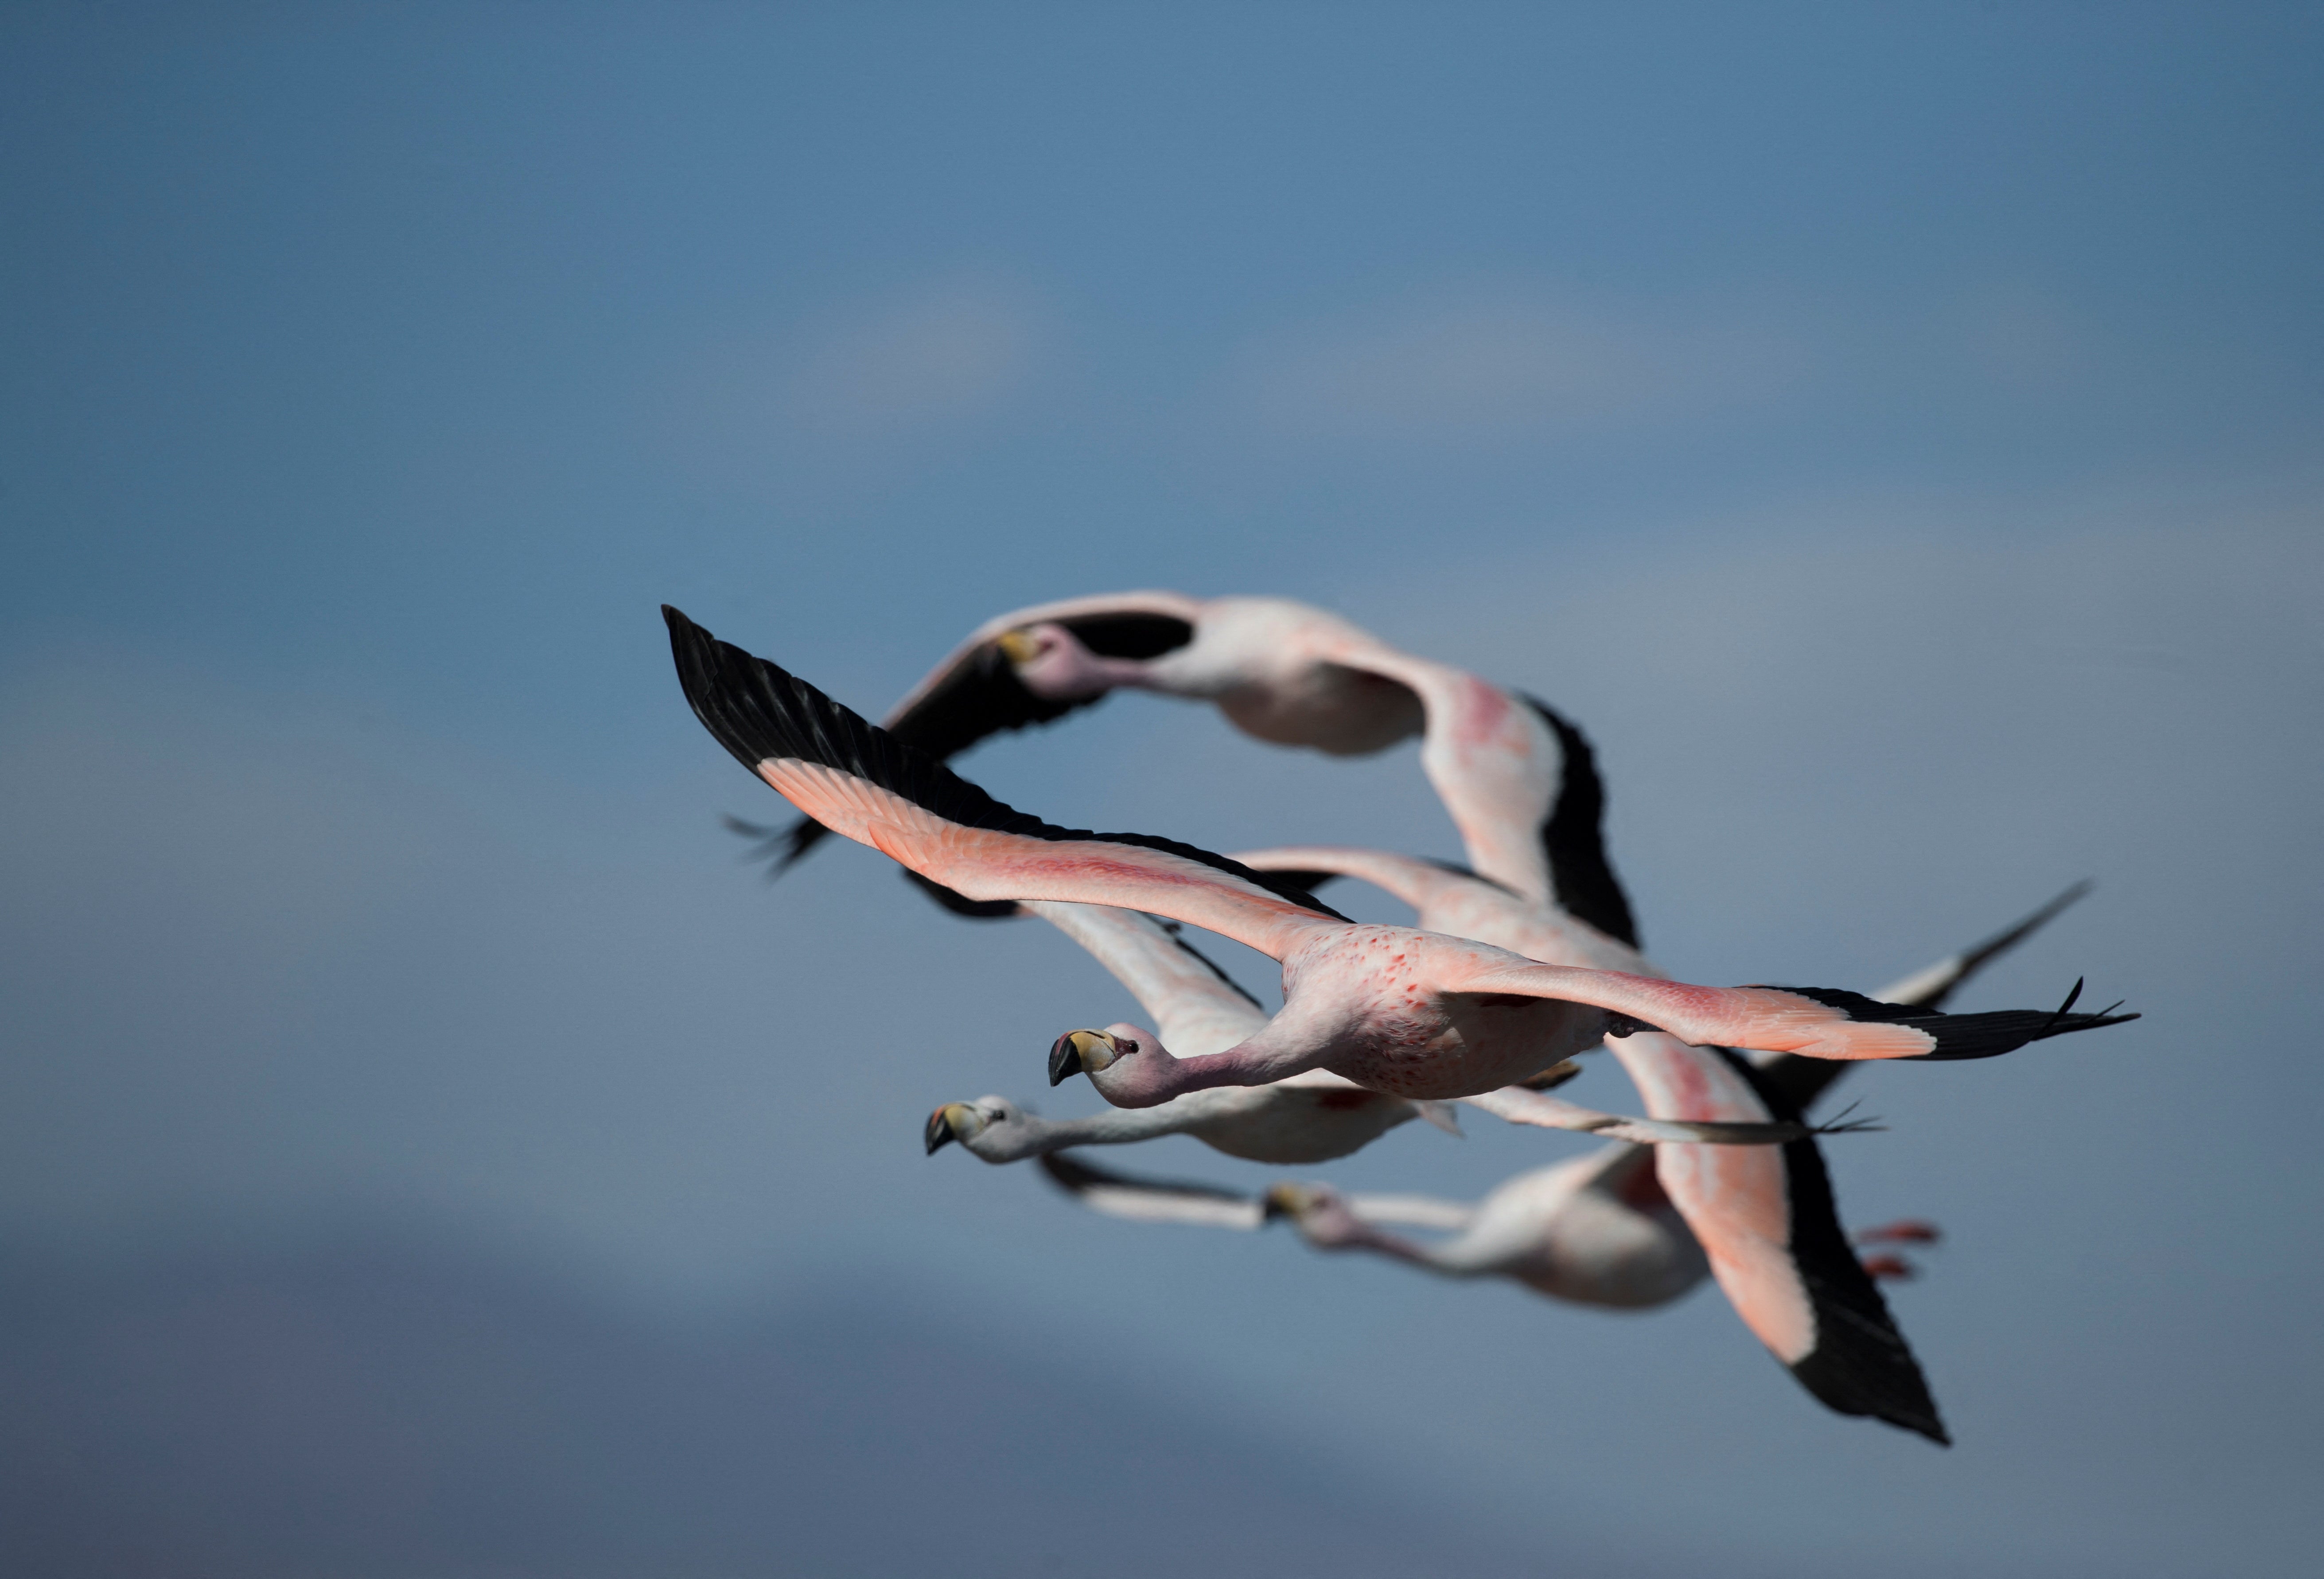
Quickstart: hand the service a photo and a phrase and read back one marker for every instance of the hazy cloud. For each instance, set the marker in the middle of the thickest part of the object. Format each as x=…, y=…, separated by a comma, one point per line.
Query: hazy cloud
x=1509, y=365
x=957, y=349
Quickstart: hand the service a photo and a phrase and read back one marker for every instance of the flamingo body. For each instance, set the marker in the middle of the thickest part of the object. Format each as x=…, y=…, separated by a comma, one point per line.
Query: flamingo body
x=1592, y=1230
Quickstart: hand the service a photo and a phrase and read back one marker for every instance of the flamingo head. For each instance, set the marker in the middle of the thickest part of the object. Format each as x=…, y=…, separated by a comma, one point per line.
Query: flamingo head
x=992, y=1127
x=1127, y=1064
x=1054, y=665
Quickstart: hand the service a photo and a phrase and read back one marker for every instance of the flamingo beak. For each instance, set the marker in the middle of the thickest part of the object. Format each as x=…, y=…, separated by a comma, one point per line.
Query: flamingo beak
x=940, y=1132
x=1284, y=1200
x=1084, y=1052
x=1019, y=646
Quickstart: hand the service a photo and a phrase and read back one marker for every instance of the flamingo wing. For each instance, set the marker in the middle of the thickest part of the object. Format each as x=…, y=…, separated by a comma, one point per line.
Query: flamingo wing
x=1803, y=1080
x=974, y=693
x=1819, y=1022
x=1196, y=1007
x=1519, y=1105
x=1573, y=836
x=1119, y=1194
x=1930, y=988
x=1859, y=1362
x=1150, y=1200
x=863, y=782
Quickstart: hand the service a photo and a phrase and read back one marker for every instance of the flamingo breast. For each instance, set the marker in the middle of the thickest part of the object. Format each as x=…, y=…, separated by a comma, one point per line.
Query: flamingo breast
x=1391, y=1030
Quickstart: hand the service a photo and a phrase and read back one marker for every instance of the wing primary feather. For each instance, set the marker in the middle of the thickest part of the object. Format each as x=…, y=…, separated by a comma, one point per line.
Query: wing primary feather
x=1804, y=1079
x=1965, y=1036
x=779, y=848
x=1977, y=955
x=985, y=698
x=960, y=904
x=1861, y=1363
x=1573, y=836
x=758, y=710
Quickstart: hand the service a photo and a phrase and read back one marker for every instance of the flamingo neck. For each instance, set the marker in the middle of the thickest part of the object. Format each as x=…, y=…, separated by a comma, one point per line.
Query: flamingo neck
x=1032, y=1137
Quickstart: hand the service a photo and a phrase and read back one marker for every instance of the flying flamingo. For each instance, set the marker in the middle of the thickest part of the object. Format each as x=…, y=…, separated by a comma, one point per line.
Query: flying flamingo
x=1767, y=1222
x=1281, y=671
x=1313, y=1116
x=1410, y=1013
x=1592, y=1230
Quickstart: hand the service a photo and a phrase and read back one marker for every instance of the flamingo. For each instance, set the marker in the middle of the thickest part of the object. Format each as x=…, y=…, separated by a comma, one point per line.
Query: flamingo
x=1767, y=1223
x=1410, y=1013
x=1591, y=1230
x=1313, y=1116
x=1281, y=671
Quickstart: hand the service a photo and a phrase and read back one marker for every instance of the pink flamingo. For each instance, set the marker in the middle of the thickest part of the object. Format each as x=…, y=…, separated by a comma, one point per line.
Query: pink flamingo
x=1768, y=1221
x=1309, y=1117
x=1612, y=1238
x=1592, y=1230
x=1411, y=1013
x=1279, y=670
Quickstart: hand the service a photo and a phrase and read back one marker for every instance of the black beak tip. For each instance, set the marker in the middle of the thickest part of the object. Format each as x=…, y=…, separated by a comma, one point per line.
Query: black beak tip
x=1065, y=1060
x=938, y=1133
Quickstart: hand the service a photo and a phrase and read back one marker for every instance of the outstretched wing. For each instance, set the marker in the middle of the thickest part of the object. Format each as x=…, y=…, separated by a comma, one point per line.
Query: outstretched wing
x=974, y=693
x=863, y=782
x=1859, y=1363
x=1195, y=1007
x=1818, y=1023
x=1151, y=1200
x=1803, y=1080
x=1930, y=988
x=1119, y=1195
x=1519, y=1105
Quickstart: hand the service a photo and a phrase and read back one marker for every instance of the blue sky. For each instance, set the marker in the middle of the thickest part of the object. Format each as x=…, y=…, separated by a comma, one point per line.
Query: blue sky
x=1890, y=430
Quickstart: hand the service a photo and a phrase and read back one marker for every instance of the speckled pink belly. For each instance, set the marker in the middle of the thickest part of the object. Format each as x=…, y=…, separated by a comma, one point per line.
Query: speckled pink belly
x=1406, y=1038
x=1462, y=1052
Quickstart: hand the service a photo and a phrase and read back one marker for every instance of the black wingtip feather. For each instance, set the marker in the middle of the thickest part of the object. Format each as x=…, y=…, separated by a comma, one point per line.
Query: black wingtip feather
x=960, y=904
x=1861, y=1363
x=1804, y=1079
x=778, y=849
x=1965, y=1036
x=1573, y=836
x=1979, y=954
x=757, y=709
x=1308, y=880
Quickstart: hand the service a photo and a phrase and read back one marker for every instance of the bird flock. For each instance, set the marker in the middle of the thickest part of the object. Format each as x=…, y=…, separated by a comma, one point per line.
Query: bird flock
x=1521, y=962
